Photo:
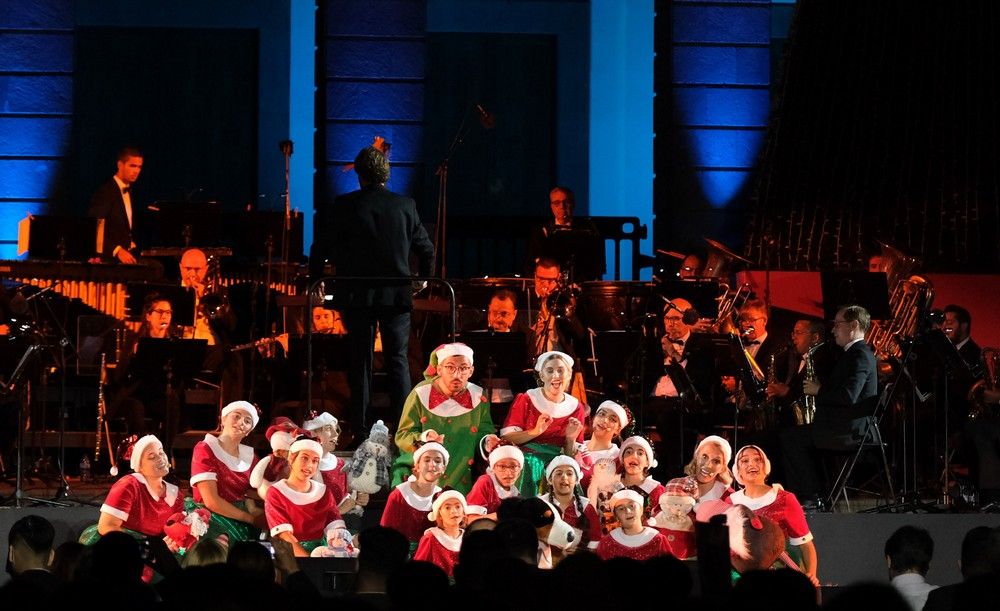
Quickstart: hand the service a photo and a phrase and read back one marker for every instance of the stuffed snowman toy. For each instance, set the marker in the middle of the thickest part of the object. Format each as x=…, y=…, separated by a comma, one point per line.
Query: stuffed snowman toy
x=368, y=470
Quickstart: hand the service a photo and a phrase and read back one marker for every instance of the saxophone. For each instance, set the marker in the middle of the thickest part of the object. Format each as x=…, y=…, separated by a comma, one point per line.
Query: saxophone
x=804, y=408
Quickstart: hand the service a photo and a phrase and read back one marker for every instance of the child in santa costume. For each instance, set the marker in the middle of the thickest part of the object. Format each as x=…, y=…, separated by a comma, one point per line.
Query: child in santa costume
x=772, y=501
x=673, y=517
x=497, y=484
x=220, y=476
x=440, y=544
x=450, y=410
x=409, y=503
x=139, y=503
x=300, y=509
x=608, y=422
x=563, y=474
x=709, y=467
x=631, y=539
x=326, y=429
x=637, y=459
x=545, y=421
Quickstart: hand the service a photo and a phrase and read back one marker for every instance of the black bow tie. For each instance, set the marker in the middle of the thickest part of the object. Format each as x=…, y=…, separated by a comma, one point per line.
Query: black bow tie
x=755, y=342
x=126, y=190
x=679, y=342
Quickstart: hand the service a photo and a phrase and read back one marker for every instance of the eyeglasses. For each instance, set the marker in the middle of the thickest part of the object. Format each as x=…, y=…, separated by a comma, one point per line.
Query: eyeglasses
x=451, y=369
x=163, y=312
x=507, y=468
x=673, y=318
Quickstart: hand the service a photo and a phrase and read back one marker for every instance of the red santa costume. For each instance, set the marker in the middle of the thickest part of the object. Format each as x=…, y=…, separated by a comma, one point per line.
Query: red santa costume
x=528, y=406
x=331, y=469
x=136, y=504
x=587, y=527
x=647, y=544
x=405, y=510
x=308, y=515
x=231, y=474
x=777, y=504
x=486, y=493
x=437, y=546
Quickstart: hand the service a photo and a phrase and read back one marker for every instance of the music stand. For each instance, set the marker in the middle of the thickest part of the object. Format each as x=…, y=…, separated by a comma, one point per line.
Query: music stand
x=614, y=351
x=181, y=300
x=258, y=228
x=497, y=356
x=62, y=238
x=186, y=223
x=702, y=294
x=869, y=290
x=578, y=250
x=177, y=359
x=95, y=335
x=330, y=352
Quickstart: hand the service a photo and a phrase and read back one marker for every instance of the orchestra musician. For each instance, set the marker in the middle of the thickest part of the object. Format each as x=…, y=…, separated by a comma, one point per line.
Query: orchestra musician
x=845, y=402
x=575, y=244
x=113, y=203
x=501, y=314
x=557, y=327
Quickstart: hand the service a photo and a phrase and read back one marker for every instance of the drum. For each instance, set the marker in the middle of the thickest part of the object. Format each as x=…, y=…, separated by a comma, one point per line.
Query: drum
x=613, y=306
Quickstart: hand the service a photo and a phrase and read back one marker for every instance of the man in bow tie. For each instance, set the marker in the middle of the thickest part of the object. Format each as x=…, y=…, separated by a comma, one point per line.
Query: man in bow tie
x=113, y=203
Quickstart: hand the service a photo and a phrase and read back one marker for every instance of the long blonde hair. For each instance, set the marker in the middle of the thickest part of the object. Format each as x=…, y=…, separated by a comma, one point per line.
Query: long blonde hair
x=725, y=476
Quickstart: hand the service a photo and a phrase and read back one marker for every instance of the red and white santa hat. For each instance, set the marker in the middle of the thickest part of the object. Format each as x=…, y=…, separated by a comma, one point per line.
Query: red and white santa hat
x=736, y=461
x=440, y=500
x=540, y=361
x=626, y=495
x=454, y=349
x=563, y=461
x=431, y=446
x=281, y=433
x=506, y=451
x=320, y=421
x=246, y=406
x=642, y=442
x=618, y=411
x=680, y=489
x=727, y=450
x=306, y=443
x=139, y=447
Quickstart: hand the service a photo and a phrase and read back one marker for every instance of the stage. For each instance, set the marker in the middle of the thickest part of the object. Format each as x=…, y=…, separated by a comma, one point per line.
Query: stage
x=849, y=545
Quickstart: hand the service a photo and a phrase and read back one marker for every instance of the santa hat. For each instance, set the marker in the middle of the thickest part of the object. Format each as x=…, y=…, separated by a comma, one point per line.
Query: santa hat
x=135, y=455
x=456, y=349
x=643, y=443
x=680, y=489
x=617, y=409
x=626, y=495
x=727, y=450
x=440, y=500
x=281, y=434
x=306, y=443
x=245, y=406
x=431, y=446
x=736, y=460
x=506, y=451
x=318, y=422
x=563, y=461
x=551, y=354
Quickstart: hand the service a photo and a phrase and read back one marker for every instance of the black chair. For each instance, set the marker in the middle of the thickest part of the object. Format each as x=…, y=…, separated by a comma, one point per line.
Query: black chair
x=867, y=439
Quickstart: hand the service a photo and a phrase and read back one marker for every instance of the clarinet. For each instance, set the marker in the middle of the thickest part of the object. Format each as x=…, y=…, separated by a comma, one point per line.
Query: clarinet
x=100, y=412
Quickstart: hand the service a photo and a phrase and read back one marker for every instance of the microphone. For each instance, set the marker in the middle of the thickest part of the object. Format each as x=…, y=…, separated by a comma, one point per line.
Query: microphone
x=689, y=316
x=486, y=118
x=747, y=331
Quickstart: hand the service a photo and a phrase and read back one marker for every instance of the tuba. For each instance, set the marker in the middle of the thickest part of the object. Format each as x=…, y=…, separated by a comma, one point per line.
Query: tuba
x=561, y=302
x=718, y=264
x=911, y=297
x=214, y=303
x=978, y=407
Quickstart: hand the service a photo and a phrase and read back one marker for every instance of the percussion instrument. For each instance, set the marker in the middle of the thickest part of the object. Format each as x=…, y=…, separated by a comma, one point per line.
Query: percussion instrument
x=614, y=306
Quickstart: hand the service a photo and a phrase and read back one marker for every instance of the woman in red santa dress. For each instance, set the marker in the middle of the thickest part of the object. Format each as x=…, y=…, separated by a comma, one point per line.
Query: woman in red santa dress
x=772, y=501
x=301, y=510
x=607, y=424
x=631, y=539
x=637, y=459
x=545, y=421
x=497, y=484
x=409, y=503
x=563, y=473
x=440, y=544
x=140, y=503
x=220, y=476
x=709, y=467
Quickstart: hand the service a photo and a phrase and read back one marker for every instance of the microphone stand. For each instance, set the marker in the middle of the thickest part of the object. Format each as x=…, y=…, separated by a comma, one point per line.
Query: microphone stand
x=287, y=148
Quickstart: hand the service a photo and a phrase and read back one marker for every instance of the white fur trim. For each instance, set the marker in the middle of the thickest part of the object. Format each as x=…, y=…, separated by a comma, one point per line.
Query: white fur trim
x=714, y=494
x=563, y=461
x=617, y=409
x=648, y=485
x=507, y=451
x=476, y=510
x=414, y=500
x=448, y=407
x=315, y=492
x=281, y=440
x=432, y=446
x=551, y=353
x=727, y=450
x=310, y=445
x=118, y=513
x=740, y=498
x=205, y=476
x=455, y=349
x=320, y=421
x=510, y=429
x=245, y=406
x=328, y=462
x=625, y=495
x=641, y=539
x=257, y=475
x=449, y=543
x=797, y=541
x=281, y=528
x=240, y=464
x=636, y=440
x=557, y=410
x=440, y=500
x=334, y=526
x=170, y=490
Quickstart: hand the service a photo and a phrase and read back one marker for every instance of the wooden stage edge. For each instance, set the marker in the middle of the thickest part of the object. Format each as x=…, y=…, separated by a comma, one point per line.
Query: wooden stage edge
x=850, y=545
